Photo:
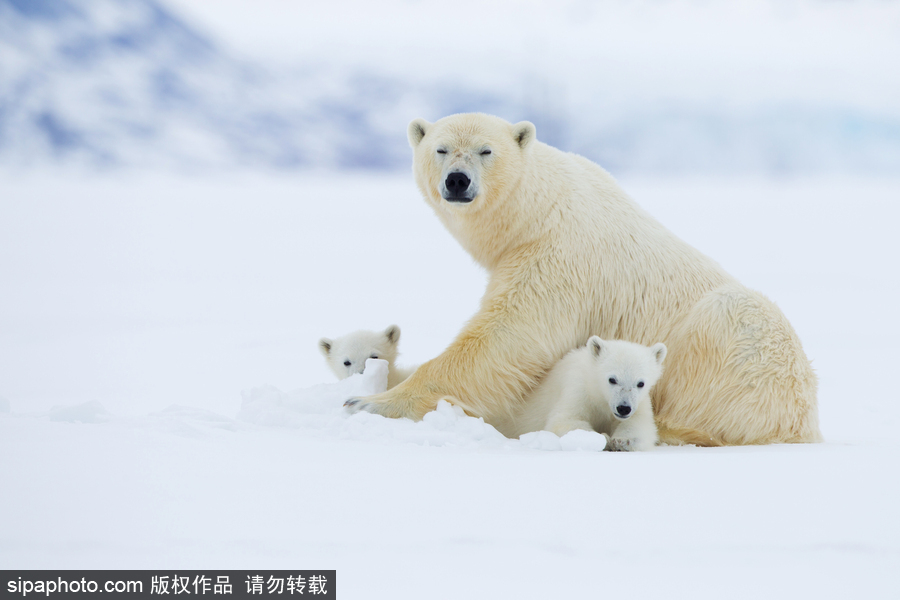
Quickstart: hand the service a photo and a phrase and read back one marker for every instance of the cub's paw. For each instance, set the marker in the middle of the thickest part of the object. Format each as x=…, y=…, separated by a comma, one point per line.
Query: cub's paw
x=621, y=445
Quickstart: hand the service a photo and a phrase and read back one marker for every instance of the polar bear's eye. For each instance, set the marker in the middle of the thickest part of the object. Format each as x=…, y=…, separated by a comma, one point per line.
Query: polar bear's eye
x=486, y=151
x=346, y=363
x=640, y=384
x=374, y=356
x=441, y=151
x=613, y=381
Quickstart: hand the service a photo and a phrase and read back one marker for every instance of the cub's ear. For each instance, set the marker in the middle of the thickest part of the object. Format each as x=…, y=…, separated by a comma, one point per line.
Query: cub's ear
x=416, y=131
x=325, y=346
x=524, y=133
x=659, y=352
x=596, y=345
x=392, y=334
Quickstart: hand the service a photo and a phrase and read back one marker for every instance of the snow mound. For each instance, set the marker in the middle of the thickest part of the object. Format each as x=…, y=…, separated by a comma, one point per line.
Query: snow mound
x=268, y=405
x=89, y=412
x=320, y=409
x=447, y=425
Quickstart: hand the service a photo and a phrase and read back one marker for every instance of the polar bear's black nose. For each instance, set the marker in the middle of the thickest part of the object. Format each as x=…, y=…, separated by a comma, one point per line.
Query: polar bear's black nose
x=457, y=183
x=624, y=410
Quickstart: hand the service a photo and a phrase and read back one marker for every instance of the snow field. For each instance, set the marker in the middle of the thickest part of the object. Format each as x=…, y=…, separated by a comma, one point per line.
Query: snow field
x=136, y=308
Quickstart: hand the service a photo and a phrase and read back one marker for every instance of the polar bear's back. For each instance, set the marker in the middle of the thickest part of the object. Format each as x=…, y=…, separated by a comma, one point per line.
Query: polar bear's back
x=610, y=255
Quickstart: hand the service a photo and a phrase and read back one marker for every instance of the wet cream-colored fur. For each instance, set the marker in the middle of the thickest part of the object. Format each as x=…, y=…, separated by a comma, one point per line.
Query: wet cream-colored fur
x=570, y=255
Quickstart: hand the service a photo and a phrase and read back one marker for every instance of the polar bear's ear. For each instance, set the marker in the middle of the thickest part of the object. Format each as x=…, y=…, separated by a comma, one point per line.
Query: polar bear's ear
x=523, y=133
x=659, y=352
x=596, y=345
x=416, y=131
x=392, y=334
x=325, y=346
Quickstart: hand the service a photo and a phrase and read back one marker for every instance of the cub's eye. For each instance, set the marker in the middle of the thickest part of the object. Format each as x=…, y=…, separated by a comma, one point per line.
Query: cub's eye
x=441, y=151
x=485, y=152
x=376, y=356
x=346, y=363
x=640, y=384
x=613, y=381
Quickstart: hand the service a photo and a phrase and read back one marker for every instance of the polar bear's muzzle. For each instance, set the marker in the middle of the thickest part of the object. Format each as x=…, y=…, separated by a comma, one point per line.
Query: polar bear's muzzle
x=458, y=188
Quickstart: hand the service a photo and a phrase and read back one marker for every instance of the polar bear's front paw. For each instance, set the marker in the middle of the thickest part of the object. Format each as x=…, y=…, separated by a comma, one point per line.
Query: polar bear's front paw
x=621, y=445
x=355, y=405
x=387, y=405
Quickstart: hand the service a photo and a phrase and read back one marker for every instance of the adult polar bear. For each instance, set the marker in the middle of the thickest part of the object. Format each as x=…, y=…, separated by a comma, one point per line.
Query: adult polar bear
x=570, y=255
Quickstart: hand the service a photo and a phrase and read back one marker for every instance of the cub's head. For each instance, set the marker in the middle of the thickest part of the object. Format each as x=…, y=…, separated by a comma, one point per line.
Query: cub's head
x=626, y=372
x=463, y=161
x=347, y=355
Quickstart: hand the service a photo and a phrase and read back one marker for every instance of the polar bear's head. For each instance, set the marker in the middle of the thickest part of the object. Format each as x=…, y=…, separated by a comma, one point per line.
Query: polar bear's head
x=626, y=372
x=347, y=354
x=461, y=160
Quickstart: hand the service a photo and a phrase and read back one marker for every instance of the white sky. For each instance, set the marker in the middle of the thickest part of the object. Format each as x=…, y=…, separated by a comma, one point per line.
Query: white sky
x=741, y=51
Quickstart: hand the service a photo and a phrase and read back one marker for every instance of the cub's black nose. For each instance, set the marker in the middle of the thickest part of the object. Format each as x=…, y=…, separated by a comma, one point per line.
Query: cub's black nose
x=457, y=183
x=624, y=410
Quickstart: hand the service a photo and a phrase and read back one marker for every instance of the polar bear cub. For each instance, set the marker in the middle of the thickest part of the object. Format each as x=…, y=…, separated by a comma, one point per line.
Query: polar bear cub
x=604, y=387
x=347, y=354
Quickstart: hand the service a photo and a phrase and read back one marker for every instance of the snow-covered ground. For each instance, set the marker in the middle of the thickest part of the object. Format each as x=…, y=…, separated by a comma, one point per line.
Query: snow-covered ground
x=163, y=403
x=136, y=309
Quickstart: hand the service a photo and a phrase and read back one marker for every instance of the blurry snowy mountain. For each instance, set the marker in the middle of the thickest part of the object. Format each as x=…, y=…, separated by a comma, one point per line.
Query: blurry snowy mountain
x=126, y=82
x=111, y=82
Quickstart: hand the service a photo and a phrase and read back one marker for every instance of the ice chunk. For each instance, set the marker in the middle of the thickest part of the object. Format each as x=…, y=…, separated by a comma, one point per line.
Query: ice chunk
x=578, y=439
x=541, y=440
x=448, y=418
